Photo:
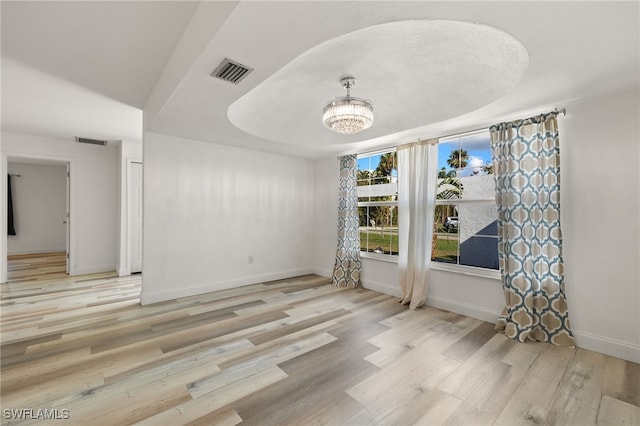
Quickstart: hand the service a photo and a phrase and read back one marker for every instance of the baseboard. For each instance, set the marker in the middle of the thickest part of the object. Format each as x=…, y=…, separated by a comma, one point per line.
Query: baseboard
x=161, y=296
x=323, y=272
x=38, y=251
x=466, y=309
x=607, y=346
x=98, y=269
x=380, y=287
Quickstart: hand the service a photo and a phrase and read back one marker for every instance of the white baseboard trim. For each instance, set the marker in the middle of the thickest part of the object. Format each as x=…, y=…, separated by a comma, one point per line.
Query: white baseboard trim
x=161, y=296
x=38, y=251
x=450, y=305
x=323, y=272
x=466, y=309
x=386, y=288
x=98, y=269
x=607, y=346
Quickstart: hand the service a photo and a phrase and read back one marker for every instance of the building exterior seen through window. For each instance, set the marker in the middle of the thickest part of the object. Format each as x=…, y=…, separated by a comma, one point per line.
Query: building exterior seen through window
x=465, y=222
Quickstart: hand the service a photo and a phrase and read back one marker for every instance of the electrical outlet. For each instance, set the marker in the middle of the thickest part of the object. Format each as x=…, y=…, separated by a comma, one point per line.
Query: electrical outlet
x=250, y=260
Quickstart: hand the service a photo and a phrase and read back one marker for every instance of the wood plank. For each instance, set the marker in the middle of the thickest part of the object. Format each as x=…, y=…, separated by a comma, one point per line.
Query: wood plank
x=622, y=380
x=579, y=393
x=531, y=402
x=476, y=369
x=614, y=412
x=288, y=352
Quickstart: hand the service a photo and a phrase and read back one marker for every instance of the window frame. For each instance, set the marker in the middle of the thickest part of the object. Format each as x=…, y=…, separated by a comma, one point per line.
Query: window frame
x=489, y=200
x=475, y=271
x=457, y=267
x=364, y=253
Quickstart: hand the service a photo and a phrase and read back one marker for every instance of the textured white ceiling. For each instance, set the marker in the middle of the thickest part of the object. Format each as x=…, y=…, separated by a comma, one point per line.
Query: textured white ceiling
x=415, y=73
x=89, y=67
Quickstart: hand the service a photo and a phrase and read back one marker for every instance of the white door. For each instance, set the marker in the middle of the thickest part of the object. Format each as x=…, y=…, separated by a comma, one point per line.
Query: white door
x=135, y=217
x=67, y=218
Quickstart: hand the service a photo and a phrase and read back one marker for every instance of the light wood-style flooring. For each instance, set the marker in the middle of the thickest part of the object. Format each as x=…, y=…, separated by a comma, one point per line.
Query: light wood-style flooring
x=289, y=352
x=37, y=266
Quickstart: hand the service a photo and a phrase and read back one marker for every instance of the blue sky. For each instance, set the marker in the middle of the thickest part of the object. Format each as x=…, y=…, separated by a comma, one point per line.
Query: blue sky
x=369, y=163
x=477, y=147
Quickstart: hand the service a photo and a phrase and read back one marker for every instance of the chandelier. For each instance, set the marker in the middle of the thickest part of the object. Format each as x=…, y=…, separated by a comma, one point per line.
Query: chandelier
x=348, y=115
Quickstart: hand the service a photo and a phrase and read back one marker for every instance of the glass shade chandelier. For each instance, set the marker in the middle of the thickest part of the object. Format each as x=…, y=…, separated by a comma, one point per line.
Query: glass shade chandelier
x=348, y=115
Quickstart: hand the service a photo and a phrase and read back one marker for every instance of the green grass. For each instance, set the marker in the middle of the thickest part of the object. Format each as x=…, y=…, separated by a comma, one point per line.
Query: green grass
x=388, y=243
x=446, y=249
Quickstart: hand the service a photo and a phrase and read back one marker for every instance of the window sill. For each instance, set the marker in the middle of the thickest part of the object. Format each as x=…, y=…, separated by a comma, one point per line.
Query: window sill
x=383, y=257
x=440, y=266
x=467, y=270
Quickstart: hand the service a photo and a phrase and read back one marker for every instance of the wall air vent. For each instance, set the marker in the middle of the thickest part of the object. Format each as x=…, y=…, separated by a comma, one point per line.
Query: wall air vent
x=231, y=71
x=91, y=141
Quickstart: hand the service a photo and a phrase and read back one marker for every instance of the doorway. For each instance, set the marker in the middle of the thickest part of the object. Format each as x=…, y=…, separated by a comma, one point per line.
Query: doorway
x=40, y=200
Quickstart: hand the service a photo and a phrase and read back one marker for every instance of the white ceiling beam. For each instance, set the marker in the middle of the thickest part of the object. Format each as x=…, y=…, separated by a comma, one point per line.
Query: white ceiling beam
x=205, y=23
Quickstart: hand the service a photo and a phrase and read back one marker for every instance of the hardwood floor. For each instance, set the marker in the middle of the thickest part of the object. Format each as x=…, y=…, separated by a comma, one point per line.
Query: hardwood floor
x=38, y=266
x=289, y=352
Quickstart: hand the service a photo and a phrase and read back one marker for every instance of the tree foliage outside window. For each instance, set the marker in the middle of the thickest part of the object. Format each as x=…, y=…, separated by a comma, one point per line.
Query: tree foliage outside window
x=378, y=202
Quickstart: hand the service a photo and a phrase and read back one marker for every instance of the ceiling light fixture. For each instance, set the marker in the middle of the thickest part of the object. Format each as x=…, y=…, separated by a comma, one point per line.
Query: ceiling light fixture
x=348, y=115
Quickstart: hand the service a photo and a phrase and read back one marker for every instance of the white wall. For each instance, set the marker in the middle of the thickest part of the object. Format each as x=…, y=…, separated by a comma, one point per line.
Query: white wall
x=600, y=211
x=207, y=208
x=600, y=156
x=39, y=195
x=94, y=195
x=325, y=219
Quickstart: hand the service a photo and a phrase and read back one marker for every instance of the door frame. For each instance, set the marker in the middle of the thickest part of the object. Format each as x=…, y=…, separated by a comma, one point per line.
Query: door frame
x=130, y=162
x=71, y=247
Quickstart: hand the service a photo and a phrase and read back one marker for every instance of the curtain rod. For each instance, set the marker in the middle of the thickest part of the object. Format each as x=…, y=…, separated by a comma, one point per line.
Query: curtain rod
x=560, y=111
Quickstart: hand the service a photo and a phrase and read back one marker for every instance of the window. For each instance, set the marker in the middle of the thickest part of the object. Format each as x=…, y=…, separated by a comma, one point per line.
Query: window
x=378, y=202
x=466, y=214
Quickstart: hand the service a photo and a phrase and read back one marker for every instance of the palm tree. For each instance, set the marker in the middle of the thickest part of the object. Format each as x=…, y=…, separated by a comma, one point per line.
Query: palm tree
x=458, y=159
x=387, y=164
x=364, y=177
x=448, y=188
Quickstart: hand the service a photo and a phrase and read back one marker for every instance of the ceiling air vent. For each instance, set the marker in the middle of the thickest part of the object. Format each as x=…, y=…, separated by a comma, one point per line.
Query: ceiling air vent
x=231, y=71
x=91, y=141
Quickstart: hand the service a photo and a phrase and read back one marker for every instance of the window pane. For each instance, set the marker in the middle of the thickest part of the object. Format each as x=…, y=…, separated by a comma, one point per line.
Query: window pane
x=378, y=177
x=379, y=229
x=447, y=158
x=480, y=187
x=446, y=241
x=478, y=235
x=475, y=155
x=466, y=234
x=445, y=248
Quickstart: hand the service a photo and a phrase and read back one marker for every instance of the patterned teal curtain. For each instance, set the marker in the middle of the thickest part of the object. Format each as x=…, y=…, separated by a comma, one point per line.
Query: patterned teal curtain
x=346, y=271
x=526, y=162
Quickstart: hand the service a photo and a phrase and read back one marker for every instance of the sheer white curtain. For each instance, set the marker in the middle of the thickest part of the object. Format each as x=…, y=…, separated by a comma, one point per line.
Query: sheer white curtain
x=417, y=174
